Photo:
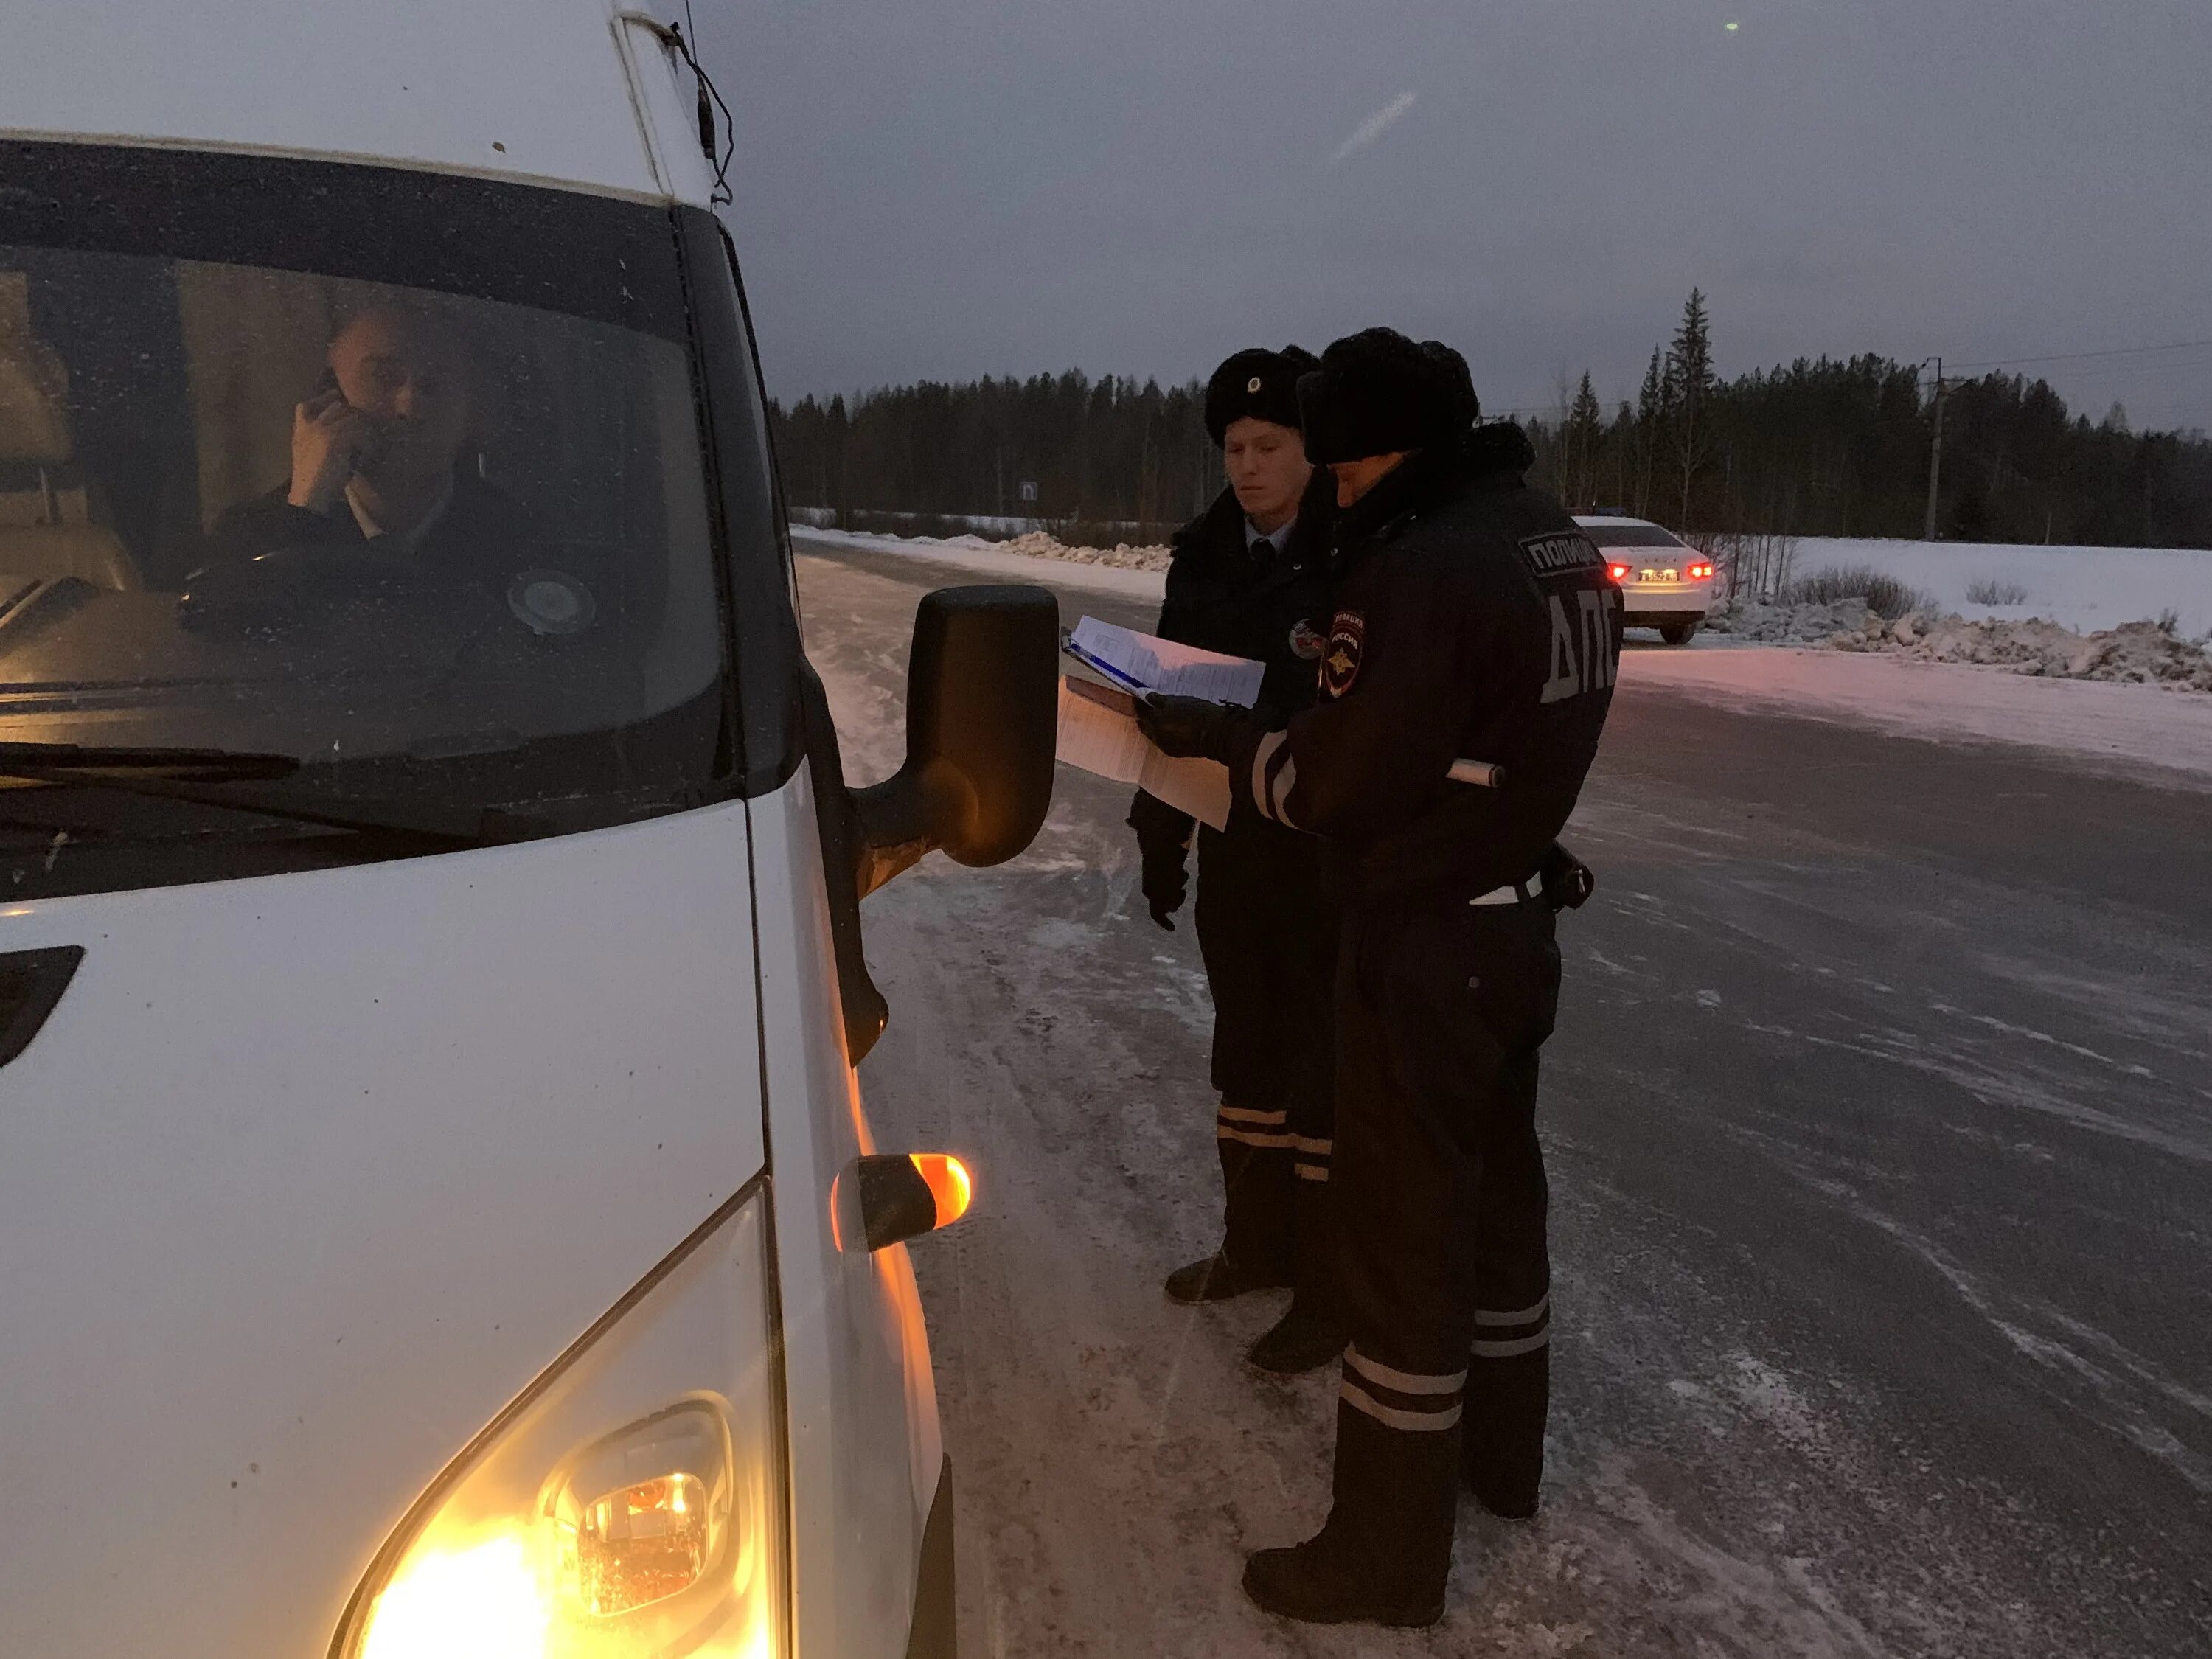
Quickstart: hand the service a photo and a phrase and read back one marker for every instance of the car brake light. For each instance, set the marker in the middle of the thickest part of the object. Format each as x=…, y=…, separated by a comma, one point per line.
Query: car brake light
x=1618, y=572
x=1700, y=571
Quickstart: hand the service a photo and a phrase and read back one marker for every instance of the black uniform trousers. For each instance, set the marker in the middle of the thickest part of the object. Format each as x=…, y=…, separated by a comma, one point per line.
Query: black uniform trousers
x=1442, y=1203
x=1267, y=932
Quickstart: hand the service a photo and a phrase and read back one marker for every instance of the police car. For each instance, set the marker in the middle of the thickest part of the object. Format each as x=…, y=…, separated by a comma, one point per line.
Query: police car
x=1665, y=583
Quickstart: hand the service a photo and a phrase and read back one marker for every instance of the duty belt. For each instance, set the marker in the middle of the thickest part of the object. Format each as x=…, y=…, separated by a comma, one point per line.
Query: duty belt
x=1562, y=881
x=1514, y=892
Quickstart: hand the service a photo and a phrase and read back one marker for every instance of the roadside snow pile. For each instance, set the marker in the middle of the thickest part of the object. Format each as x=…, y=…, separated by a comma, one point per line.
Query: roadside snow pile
x=2083, y=588
x=2142, y=653
x=1791, y=624
x=1038, y=545
x=2139, y=653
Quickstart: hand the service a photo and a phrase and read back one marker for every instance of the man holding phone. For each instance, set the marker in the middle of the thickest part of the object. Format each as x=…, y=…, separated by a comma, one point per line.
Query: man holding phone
x=374, y=453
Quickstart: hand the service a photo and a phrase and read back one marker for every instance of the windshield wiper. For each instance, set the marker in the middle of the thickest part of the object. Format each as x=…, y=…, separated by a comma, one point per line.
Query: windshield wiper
x=208, y=777
x=32, y=759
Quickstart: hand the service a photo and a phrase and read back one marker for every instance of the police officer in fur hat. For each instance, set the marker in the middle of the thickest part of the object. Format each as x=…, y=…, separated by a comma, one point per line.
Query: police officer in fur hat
x=1250, y=578
x=1466, y=678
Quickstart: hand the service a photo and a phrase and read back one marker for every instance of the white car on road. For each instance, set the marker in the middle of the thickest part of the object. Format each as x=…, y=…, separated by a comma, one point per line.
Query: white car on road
x=1665, y=583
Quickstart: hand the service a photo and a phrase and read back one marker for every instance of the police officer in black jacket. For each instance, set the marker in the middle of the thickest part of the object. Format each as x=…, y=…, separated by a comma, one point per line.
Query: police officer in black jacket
x=1469, y=669
x=1250, y=578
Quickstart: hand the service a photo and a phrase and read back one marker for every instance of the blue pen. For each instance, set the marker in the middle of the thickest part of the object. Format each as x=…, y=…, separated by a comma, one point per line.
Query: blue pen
x=1105, y=668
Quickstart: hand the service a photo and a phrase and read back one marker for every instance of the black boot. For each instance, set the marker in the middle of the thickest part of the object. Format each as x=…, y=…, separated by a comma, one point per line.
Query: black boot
x=1384, y=1556
x=1217, y=1278
x=1301, y=1340
x=1502, y=1449
x=1328, y=1580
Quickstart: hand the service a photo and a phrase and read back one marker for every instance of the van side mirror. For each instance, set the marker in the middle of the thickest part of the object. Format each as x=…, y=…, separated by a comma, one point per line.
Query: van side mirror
x=982, y=713
x=886, y=1198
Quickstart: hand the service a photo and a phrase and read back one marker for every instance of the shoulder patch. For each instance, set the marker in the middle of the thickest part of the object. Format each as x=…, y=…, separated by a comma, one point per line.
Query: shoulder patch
x=1559, y=554
x=1347, y=644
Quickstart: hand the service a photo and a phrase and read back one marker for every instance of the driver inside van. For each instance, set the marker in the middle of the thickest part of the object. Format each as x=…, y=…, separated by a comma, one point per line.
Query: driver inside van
x=375, y=454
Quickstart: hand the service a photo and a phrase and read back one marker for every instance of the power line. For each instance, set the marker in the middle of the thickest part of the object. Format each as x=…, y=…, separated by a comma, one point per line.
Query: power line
x=2079, y=356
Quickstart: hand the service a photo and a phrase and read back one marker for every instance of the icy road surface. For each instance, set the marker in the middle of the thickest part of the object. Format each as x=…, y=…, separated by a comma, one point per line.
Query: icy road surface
x=1879, y=1117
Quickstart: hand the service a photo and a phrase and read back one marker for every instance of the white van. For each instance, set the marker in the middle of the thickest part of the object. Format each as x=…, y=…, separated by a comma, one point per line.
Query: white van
x=439, y=1216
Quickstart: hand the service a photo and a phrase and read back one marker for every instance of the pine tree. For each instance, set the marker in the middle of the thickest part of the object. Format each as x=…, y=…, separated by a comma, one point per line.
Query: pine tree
x=1689, y=375
x=836, y=480
x=1580, y=440
x=1689, y=357
x=1651, y=404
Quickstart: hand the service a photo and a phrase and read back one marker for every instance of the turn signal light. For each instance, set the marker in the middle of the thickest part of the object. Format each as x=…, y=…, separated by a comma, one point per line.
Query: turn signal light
x=949, y=1184
x=886, y=1198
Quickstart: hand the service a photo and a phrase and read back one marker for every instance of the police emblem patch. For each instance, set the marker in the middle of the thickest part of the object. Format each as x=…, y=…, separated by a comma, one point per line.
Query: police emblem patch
x=1339, y=663
x=1306, y=644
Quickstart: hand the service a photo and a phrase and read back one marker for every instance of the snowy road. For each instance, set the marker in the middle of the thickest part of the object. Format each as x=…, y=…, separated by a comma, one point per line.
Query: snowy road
x=1880, y=1125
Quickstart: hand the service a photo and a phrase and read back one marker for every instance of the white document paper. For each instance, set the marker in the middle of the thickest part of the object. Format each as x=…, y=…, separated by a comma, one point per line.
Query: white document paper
x=1180, y=671
x=1105, y=739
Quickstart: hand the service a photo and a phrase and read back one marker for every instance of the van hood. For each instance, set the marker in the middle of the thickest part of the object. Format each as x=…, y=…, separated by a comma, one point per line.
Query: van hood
x=306, y=1176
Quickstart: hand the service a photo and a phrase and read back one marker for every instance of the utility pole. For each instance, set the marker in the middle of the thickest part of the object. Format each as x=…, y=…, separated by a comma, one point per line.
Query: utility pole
x=1934, y=451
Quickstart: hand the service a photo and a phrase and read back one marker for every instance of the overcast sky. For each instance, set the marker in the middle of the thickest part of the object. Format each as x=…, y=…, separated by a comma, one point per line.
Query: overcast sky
x=950, y=188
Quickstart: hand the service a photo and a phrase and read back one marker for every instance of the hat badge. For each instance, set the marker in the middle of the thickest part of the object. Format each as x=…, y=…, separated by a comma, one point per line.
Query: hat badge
x=1252, y=384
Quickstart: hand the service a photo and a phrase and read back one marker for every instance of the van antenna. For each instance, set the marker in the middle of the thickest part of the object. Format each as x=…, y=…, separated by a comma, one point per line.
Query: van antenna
x=718, y=156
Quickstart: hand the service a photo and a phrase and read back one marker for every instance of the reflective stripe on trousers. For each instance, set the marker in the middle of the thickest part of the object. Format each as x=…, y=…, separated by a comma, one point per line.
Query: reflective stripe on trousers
x=1419, y=1403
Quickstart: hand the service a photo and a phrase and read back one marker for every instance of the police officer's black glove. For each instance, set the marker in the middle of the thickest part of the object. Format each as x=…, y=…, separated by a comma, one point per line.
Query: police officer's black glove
x=1188, y=727
x=1165, y=879
x=1567, y=881
x=1162, y=847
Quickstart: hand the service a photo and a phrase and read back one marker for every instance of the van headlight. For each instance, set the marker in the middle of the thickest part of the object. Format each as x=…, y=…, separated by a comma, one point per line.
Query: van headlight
x=628, y=1506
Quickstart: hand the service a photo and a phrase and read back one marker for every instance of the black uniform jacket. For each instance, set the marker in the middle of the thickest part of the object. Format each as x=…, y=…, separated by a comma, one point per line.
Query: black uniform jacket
x=1472, y=621
x=1249, y=602
x=483, y=532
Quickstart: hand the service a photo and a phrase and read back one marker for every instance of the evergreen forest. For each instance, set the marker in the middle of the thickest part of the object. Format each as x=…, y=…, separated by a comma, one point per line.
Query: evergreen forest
x=1816, y=447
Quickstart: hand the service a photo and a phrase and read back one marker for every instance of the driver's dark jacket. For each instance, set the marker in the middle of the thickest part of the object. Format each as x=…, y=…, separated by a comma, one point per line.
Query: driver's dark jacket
x=1472, y=620
x=485, y=534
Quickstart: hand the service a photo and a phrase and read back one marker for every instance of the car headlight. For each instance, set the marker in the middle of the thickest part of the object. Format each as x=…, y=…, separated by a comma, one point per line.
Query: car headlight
x=628, y=1506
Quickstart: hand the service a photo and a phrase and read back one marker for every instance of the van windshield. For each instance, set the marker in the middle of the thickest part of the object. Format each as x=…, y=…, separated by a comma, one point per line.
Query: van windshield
x=444, y=544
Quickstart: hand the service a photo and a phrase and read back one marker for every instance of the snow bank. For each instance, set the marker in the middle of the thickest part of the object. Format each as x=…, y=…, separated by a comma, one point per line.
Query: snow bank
x=1789, y=624
x=2139, y=653
x=2081, y=588
x=1136, y=573
x=1122, y=557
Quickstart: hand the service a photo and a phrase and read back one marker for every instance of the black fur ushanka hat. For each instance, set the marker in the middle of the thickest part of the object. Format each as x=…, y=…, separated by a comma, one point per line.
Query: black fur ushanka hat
x=1377, y=393
x=1262, y=384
